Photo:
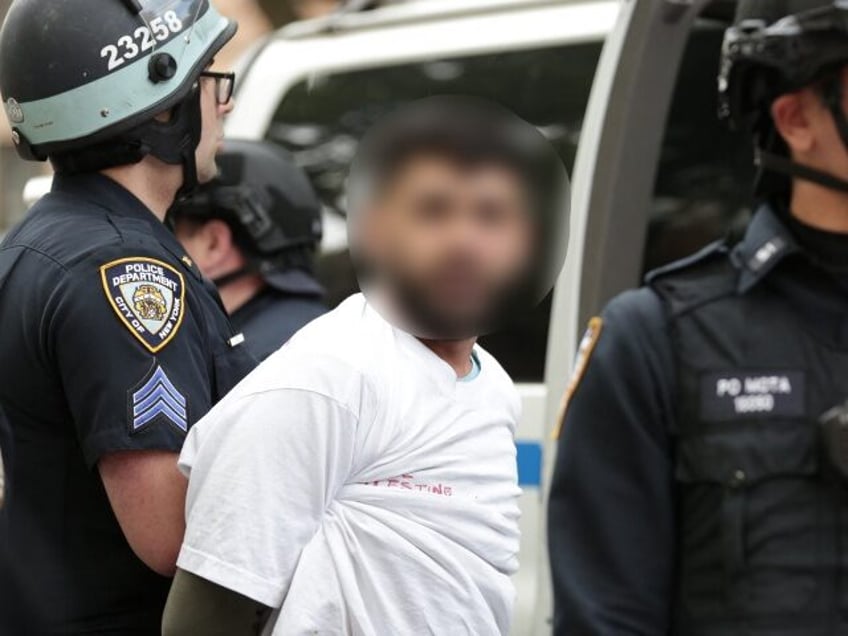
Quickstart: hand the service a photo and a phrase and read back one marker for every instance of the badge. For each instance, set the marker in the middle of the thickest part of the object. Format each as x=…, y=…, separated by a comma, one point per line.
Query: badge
x=581, y=362
x=148, y=296
x=156, y=398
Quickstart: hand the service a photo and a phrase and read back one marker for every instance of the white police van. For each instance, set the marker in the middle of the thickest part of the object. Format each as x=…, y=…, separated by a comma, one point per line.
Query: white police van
x=654, y=174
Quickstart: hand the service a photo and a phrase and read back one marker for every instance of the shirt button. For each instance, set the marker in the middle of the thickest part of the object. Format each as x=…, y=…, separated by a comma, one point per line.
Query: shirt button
x=738, y=478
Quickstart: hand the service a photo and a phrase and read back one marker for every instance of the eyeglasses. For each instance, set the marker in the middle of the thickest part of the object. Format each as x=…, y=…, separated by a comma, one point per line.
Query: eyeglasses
x=224, y=85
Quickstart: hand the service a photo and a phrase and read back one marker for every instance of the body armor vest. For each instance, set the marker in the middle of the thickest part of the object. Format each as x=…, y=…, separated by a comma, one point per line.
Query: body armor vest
x=762, y=512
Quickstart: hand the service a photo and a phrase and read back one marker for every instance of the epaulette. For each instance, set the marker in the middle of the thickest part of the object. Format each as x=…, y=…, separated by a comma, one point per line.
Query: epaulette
x=712, y=251
x=691, y=282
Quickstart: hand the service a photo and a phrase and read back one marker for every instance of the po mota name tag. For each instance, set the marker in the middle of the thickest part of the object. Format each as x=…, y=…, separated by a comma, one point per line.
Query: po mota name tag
x=738, y=394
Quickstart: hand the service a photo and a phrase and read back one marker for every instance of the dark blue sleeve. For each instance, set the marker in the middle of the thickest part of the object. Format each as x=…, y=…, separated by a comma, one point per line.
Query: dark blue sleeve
x=611, y=508
x=122, y=394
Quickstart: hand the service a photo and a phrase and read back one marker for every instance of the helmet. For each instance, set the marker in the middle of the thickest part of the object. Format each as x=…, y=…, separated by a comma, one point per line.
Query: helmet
x=82, y=81
x=776, y=47
x=267, y=201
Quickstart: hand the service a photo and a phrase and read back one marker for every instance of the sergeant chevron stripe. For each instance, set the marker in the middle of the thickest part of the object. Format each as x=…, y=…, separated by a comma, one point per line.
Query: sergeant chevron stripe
x=157, y=396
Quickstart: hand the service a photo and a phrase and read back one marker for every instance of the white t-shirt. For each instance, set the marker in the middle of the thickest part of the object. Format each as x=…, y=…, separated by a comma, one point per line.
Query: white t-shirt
x=352, y=482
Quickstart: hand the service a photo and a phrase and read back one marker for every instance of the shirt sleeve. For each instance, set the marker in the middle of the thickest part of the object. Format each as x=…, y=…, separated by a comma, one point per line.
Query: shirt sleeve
x=611, y=508
x=130, y=356
x=263, y=470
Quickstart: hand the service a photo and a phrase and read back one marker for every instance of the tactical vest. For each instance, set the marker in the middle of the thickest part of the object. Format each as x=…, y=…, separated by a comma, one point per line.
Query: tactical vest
x=762, y=513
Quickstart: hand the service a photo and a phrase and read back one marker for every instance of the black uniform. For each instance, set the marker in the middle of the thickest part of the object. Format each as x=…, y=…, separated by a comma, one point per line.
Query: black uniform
x=692, y=492
x=111, y=340
x=289, y=300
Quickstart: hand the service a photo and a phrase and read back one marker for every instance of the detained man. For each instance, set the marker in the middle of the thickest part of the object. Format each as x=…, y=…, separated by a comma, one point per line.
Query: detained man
x=363, y=479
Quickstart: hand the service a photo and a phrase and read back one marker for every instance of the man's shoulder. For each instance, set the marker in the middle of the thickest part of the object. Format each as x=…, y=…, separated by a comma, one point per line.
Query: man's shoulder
x=282, y=313
x=702, y=263
x=59, y=236
x=68, y=231
x=702, y=278
x=270, y=320
x=330, y=355
x=498, y=374
x=500, y=388
x=345, y=332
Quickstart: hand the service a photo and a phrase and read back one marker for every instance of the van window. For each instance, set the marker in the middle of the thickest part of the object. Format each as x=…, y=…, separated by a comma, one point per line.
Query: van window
x=321, y=119
x=703, y=189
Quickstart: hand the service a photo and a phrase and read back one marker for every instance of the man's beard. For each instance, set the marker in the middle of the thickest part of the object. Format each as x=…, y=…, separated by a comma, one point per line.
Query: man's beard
x=430, y=319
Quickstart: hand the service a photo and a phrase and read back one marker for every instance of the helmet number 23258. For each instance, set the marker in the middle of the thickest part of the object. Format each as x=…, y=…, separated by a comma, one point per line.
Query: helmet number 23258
x=143, y=39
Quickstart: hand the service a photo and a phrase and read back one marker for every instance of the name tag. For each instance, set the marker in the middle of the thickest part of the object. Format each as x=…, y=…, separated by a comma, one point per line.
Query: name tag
x=731, y=395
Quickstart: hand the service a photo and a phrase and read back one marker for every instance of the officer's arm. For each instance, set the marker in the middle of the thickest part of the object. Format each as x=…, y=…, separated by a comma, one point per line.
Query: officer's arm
x=131, y=395
x=611, y=517
x=198, y=606
x=147, y=494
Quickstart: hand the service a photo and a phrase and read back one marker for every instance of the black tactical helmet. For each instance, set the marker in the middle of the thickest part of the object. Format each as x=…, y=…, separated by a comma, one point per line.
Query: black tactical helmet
x=776, y=47
x=82, y=80
x=265, y=198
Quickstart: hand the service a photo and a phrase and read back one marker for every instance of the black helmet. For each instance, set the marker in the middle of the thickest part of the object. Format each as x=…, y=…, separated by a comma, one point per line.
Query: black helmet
x=83, y=80
x=267, y=201
x=776, y=47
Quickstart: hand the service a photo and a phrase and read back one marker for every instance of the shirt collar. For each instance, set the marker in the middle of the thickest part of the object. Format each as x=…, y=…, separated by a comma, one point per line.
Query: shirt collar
x=767, y=242
x=103, y=191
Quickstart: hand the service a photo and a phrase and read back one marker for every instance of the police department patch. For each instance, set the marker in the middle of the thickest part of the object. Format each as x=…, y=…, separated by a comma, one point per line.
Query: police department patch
x=148, y=296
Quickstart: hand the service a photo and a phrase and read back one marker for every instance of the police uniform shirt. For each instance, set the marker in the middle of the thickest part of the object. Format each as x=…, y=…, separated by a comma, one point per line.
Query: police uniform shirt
x=617, y=514
x=111, y=341
x=289, y=300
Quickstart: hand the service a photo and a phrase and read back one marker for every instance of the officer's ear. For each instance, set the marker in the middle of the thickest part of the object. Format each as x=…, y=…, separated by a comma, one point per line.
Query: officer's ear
x=218, y=237
x=797, y=117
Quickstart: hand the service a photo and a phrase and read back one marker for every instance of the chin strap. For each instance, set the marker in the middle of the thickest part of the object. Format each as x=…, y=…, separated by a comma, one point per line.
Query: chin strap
x=778, y=163
x=173, y=142
x=773, y=162
x=232, y=277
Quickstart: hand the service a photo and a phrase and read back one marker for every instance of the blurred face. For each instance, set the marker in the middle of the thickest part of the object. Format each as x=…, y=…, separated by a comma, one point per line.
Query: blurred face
x=212, y=134
x=450, y=244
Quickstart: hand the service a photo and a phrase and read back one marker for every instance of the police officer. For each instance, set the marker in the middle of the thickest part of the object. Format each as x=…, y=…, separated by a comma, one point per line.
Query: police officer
x=254, y=231
x=112, y=343
x=700, y=485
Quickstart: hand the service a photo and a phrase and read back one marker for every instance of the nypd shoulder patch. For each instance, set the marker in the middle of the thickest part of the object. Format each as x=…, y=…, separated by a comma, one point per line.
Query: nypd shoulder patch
x=148, y=296
x=157, y=399
x=581, y=363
